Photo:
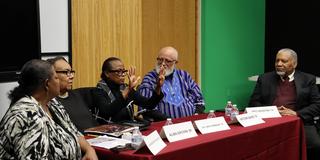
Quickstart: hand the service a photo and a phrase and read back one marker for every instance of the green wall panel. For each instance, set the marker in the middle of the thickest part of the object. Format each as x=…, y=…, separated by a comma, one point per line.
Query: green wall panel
x=232, y=49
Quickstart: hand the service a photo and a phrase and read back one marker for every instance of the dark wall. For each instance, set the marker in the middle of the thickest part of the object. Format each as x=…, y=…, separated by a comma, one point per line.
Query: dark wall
x=20, y=36
x=293, y=24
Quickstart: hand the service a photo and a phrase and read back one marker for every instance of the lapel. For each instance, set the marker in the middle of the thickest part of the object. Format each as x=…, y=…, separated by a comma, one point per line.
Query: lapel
x=297, y=82
x=273, y=87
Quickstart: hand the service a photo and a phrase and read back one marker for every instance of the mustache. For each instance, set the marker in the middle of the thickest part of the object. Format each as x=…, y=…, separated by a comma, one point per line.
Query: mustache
x=168, y=70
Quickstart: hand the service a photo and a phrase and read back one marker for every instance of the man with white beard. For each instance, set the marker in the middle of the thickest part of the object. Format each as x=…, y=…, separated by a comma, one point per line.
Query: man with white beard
x=182, y=96
x=295, y=93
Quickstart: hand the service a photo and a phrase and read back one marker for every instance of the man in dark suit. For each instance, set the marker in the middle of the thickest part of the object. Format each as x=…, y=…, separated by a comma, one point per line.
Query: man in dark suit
x=295, y=93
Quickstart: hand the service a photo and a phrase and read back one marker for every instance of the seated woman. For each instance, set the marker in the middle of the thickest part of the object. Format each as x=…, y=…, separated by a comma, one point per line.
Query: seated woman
x=73, y=101
x=37, y=126
x=114, y=97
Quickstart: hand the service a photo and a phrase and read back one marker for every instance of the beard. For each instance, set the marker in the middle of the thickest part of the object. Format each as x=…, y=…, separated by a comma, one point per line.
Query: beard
x=169, y=71
x=280, y=73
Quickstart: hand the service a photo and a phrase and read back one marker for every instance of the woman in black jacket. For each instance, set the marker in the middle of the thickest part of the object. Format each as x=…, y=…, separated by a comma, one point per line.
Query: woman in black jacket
x=115, y=98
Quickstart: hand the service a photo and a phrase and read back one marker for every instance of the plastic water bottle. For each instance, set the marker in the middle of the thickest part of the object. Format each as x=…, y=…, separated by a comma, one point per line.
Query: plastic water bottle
x=228, y=109
x=137, y=138
x=234, y=112
x=168, y=122
x=127, y=136
x=211, y=114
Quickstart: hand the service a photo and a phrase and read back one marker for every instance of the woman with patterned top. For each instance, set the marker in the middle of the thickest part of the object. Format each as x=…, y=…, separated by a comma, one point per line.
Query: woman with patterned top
x=37, y=126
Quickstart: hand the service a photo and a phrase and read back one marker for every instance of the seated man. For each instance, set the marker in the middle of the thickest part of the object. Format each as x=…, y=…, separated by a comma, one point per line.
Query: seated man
x=182, y=96
x=72, y=100
x=114, y=98
x=294, y=93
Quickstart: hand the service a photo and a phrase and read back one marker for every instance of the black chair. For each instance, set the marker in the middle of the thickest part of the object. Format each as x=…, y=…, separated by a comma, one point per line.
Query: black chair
x=86, y=94
x=79, y=105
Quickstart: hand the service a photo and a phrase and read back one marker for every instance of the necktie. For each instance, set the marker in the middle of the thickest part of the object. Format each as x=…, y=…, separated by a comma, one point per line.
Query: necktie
x=285, y=79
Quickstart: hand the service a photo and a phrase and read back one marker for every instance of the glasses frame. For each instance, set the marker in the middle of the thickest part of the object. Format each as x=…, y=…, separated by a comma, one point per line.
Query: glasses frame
x=119, y=72
x=67, y=72
x=166, y=61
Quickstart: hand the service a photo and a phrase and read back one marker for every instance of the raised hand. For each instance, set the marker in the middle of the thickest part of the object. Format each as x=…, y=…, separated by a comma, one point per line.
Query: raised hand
x=133, y=79
x=161, y=76
x=161, y=79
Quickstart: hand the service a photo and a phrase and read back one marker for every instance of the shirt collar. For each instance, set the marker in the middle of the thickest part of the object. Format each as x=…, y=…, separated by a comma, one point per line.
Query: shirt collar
x=291, y=77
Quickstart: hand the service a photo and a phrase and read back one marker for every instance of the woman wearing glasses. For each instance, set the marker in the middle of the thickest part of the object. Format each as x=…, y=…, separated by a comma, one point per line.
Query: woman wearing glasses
x=115, y=98
x=72, y=99
x=36, y=126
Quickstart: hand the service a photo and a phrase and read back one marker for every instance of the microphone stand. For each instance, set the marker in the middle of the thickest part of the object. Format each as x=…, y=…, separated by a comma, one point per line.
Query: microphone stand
x=130, y=110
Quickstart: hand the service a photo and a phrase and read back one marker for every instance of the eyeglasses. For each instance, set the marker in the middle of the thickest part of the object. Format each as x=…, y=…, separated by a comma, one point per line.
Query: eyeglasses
x=67, y=72
x=119, y=72
x=166, y=61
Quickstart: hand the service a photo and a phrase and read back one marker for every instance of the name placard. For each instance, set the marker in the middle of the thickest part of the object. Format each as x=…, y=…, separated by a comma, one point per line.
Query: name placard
x=264, y=112
x=210, y=125
x=154, y=142
x=249, y=119
x=178, y=131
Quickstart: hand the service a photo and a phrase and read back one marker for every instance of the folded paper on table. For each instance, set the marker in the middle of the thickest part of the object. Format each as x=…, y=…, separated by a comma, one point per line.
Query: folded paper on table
x=264, y=111
x=210, y=125
x=154, y=142
x=249, y=119
x=178, y=131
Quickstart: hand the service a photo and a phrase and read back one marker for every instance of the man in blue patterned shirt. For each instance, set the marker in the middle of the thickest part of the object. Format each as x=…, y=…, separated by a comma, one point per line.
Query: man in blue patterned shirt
x=182, y=96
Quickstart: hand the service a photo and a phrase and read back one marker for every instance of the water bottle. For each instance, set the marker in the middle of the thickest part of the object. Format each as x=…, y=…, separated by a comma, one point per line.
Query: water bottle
x=234, y=112
x=137, y=138
x=211, y=114
x=228, y=109
x=127, y=136
x=168, y=122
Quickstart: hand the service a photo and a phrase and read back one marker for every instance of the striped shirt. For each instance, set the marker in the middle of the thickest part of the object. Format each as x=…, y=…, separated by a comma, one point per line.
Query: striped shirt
x=181, y=93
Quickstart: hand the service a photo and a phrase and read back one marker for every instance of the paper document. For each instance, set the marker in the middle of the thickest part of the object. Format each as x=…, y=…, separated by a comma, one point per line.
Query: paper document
x=108, y=142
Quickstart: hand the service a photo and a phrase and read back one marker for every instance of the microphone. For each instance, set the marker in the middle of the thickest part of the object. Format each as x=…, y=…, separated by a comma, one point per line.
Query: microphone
x=140, y=112
x=130, y=110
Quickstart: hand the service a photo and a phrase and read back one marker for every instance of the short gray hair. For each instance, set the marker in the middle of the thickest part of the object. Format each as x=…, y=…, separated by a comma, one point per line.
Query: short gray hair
x=291, y=52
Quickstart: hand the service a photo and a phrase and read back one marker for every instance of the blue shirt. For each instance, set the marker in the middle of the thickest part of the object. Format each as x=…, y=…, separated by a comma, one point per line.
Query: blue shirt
x=181, y=93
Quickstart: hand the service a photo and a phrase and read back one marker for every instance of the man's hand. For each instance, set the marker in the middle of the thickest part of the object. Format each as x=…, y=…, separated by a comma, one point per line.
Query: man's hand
x=286, y=111
x=161, y=78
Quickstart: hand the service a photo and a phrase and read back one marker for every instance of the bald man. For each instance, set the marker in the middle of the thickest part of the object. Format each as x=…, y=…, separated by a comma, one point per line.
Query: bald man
x=182, y=96
x=294, y=93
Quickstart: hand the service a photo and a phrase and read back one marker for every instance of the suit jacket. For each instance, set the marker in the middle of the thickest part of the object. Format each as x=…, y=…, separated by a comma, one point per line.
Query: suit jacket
x=308, y=98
